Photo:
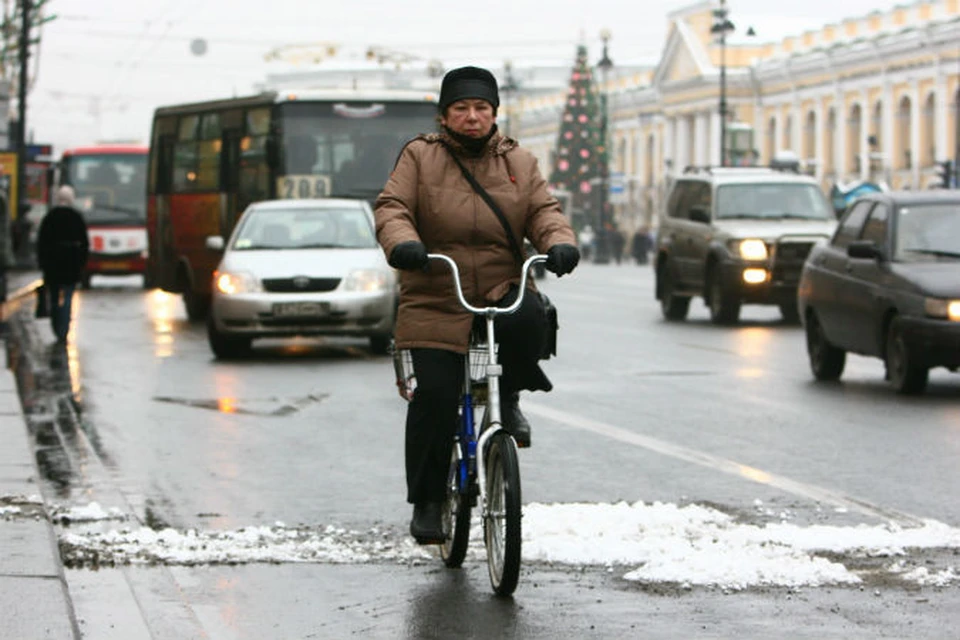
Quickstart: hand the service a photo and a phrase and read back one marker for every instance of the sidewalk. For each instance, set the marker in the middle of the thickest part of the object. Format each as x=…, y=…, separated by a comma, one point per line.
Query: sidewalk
x=34, y=601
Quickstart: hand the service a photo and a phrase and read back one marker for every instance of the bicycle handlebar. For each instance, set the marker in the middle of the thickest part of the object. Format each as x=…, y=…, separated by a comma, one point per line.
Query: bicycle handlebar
x=529, y=262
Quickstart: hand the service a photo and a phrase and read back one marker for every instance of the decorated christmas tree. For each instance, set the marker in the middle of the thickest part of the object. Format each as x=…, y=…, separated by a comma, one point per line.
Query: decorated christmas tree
x=580, y=153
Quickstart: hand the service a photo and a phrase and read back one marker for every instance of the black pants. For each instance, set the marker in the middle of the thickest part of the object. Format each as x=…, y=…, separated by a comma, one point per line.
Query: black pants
x=432, y=414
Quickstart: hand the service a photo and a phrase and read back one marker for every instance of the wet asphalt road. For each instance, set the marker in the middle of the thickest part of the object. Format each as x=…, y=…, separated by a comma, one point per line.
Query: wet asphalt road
x=310, y=433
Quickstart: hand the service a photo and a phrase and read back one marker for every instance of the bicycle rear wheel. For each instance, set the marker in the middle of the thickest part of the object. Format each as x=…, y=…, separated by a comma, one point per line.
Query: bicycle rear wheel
x=455, y=515
x=501, y=526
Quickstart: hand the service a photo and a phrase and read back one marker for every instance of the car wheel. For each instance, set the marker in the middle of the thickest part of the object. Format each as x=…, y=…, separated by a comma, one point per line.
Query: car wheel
x=826, y=360
x=790, y=313
x=672, y=306
x=226, y=347
x=380, y=345
x=85, y=280
x=905, y=374
x=724, y=308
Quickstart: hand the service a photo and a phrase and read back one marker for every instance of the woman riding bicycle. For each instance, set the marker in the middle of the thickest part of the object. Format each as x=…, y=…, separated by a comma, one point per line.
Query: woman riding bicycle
x=428, y=205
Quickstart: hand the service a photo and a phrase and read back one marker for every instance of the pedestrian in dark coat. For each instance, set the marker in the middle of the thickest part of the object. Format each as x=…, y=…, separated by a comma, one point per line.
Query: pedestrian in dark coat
x=62, y=250
x=642, y=243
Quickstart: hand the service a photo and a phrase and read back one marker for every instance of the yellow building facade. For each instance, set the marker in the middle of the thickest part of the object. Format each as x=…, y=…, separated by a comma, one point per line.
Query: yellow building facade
x=874, y=97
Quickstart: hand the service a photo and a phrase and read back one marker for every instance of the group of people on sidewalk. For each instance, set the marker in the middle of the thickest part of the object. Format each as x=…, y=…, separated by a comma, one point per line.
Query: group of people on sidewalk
x=640, y=245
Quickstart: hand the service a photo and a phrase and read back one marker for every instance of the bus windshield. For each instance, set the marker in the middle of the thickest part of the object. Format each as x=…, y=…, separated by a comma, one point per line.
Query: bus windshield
x=110, y=188
x=345, y=149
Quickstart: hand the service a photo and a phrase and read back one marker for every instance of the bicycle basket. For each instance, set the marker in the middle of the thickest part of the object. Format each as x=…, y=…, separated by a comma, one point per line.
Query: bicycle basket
x=403, y=368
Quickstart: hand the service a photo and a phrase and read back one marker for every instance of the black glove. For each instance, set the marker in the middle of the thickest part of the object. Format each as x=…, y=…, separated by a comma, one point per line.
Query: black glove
x=409, y=256
x=562, y=258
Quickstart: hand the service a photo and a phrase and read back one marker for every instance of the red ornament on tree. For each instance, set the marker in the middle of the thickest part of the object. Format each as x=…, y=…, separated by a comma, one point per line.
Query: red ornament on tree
x=584, y=187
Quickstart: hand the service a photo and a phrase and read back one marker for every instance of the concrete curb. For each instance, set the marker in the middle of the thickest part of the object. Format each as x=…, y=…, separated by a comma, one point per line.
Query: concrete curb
x=34, y=597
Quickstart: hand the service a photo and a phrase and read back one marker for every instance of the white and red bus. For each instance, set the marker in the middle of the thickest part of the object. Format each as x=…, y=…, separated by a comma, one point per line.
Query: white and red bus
x=210, y=160
x=111, y=186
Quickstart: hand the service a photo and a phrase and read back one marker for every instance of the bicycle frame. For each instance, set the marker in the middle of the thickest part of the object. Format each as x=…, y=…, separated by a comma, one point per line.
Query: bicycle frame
x=476, y=447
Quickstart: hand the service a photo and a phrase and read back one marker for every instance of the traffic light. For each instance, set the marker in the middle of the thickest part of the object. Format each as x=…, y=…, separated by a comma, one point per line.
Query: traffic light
x=945, y=174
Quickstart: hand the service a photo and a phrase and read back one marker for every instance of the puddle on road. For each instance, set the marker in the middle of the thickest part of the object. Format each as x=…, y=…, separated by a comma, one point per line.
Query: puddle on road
x=250, y=406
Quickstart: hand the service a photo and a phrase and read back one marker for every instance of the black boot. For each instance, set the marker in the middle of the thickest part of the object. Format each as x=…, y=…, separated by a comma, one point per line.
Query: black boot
x=426, y=526
x=514, y=422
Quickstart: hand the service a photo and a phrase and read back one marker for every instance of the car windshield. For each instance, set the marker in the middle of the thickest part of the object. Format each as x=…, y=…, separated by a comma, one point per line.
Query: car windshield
x=305, y=228
x=928, y=232
x=773, y=201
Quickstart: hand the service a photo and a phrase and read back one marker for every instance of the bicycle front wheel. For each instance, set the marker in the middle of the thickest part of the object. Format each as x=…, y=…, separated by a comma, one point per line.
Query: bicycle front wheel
x=455, y=514
x=501, y=525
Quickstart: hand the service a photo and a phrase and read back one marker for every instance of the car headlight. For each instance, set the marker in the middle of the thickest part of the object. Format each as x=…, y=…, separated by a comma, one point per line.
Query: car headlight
x=233, y=282
x=366, y=280
x=750, y=249
x=940, y=308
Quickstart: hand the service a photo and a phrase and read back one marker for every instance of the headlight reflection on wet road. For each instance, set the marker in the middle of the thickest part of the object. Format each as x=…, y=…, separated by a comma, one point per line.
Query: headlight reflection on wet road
x=160, y=308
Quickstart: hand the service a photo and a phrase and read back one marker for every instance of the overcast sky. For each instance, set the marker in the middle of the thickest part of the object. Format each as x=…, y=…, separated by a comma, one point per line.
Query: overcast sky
x=104, y=65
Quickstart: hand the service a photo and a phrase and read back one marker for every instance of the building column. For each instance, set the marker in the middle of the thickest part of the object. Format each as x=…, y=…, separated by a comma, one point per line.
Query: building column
x=700, y=141
x=889, y=111
x=840, y=137
x=819, y=128
x=668, y=144
x=682, y=158
x=942, y=147
x=759, y=131
x=798, y=124
x=866, y=118
x=713, y=139
x=916, y=155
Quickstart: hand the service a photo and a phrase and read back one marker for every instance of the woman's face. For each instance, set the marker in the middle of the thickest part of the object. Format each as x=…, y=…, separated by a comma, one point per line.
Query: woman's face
x=470, y=117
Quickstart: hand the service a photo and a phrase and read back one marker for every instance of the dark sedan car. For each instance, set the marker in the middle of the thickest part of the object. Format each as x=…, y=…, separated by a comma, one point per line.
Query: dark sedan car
x=887, y=285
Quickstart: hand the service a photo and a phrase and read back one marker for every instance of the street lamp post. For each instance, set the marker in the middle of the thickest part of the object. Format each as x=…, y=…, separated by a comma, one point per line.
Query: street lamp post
x=602, y=251
x=721, y=27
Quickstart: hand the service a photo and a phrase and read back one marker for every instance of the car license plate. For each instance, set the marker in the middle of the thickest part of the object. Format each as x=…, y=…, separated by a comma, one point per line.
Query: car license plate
x=114, y=265
x=300, y=309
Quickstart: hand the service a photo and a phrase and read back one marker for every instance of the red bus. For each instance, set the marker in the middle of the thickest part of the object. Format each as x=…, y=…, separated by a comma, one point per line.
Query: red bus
x=111, y=186
x=210, y=160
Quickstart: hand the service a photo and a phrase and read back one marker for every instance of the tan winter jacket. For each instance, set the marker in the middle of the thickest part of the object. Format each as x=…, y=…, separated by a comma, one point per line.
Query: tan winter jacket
x=428, y=199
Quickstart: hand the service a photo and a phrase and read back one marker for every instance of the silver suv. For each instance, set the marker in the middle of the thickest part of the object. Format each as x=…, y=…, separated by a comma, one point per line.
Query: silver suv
x=738, y=236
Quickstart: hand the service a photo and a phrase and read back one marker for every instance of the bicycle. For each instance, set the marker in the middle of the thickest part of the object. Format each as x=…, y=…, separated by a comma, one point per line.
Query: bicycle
x=485, y=466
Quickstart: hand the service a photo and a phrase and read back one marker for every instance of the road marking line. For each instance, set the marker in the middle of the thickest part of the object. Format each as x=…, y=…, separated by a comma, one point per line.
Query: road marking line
x=804, y=490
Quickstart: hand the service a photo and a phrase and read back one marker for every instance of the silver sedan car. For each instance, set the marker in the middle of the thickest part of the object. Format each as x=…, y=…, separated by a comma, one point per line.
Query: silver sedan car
x=301, y=268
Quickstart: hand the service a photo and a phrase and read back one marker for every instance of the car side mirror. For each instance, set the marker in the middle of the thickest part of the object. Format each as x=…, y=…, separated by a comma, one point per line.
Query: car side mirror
x=699, y=214
x=214, y=243
x=865, y=250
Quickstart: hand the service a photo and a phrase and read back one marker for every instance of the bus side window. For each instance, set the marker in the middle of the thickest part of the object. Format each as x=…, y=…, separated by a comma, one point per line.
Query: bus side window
x=208, y=153
x=185, y=155
x=254, y=175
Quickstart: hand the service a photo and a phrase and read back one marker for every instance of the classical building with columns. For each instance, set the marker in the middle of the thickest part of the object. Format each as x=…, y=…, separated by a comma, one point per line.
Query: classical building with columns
x=873, y=97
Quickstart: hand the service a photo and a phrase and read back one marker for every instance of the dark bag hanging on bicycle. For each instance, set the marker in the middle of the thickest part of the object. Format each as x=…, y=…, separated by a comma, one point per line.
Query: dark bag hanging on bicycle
x=549, y=310
x=42, y=310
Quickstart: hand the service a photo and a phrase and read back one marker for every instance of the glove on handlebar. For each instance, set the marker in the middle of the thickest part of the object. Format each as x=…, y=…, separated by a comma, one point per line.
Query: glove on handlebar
x=562, y=259
x=408, y=256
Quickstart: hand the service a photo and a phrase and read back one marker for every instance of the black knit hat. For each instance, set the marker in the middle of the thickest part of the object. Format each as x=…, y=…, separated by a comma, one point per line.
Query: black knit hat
x=468, y=82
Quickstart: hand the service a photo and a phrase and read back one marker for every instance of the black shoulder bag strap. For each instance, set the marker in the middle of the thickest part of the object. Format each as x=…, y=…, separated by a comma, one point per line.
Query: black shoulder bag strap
x=514, y=245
